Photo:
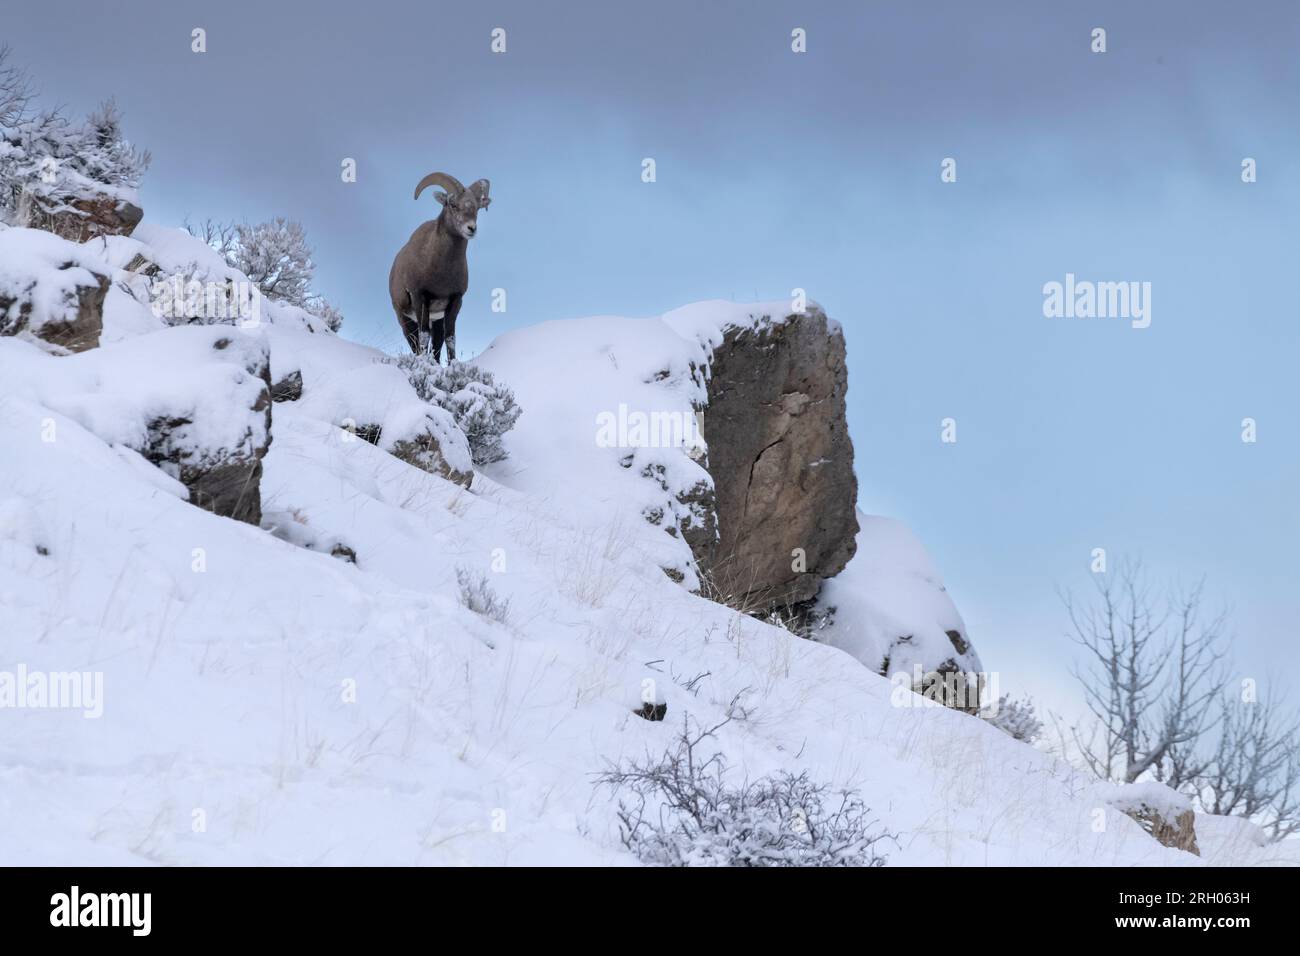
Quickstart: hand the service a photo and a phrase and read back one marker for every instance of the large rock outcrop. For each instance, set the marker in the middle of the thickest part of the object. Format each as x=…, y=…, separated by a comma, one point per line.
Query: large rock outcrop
x=781, y=461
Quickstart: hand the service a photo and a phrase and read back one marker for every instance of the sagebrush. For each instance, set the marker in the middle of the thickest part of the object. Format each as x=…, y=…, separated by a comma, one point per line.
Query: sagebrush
x=679, y=809
x=478, y=596
x=1017, y=718
x=483, y=408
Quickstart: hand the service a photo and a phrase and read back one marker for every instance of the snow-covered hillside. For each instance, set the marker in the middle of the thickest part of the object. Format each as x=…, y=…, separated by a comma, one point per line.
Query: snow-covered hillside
x=266, y=700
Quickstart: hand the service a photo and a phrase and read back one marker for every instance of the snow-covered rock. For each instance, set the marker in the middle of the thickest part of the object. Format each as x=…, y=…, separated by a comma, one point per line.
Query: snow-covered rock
x=376, y=401
x=50, y=289
x=80, y=218
x=1163, y=812
x=890, y=610
x=193, y=401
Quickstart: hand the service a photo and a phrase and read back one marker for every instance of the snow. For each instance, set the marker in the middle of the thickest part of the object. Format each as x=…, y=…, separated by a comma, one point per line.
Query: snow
x=892, y=611
x=40, y=270
x=1234, y=841
x=265, y=702
x=378, y=394
x=183, y=374
x=1148, y=796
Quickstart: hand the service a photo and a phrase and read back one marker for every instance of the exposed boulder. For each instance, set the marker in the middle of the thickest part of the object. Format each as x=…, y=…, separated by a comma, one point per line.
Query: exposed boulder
x=1179, y=833
x=428, y=446
x=46, y=292
x=781, y=460
x=79, y=218
x=140, y=264
x=652, y=711
x=289, y=388
x=1164, y=813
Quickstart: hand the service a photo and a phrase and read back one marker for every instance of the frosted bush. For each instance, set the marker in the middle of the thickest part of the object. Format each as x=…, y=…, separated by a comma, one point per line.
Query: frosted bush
x=484, y=409
x=45, y=158
x=1017, y=719
x=679, y=810
x=476, y=595
x=276, y=257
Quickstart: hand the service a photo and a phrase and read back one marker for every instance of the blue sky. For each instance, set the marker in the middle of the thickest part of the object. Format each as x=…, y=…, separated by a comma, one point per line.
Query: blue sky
x=821, y=171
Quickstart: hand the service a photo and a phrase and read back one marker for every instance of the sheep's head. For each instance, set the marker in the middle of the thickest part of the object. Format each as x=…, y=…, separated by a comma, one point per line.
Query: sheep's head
x=460, y=203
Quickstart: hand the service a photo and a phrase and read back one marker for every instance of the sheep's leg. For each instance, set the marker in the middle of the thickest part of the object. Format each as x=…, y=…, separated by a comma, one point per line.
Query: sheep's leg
x=438, y=330
x=421, y=303
x=449, y=325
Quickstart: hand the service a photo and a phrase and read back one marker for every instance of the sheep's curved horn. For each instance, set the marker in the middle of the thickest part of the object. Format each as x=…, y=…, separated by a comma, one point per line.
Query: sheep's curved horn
x=449, y=183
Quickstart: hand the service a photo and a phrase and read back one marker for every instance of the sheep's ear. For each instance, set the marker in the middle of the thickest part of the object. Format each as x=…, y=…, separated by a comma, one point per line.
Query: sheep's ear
x=480, y=190
x=441, y=197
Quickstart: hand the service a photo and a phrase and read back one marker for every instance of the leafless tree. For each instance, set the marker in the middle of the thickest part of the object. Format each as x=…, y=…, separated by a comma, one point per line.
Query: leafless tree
x=275, y=256
x=1154, y=682
x=1152, y=671
x=15, y=91
x=1253, y=770
x=219, y=235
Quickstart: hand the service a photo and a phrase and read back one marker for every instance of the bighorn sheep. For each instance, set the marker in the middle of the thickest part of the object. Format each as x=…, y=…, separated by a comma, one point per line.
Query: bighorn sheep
x=430, y=275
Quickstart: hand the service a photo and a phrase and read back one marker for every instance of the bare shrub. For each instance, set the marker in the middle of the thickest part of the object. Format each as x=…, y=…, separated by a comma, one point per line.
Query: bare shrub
x=680, y=810
x=476, y=595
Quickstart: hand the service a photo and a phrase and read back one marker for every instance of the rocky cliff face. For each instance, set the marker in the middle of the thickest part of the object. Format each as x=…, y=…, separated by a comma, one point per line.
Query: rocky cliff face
x=781, y=460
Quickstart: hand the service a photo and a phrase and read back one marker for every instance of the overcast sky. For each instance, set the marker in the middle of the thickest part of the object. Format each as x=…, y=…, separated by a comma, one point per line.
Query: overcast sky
x=821, y=171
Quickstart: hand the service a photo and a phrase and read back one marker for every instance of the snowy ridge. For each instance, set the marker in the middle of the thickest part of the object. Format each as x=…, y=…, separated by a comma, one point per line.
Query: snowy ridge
x=266, y=702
